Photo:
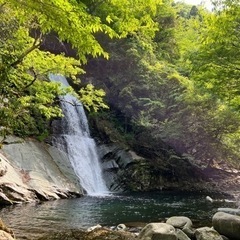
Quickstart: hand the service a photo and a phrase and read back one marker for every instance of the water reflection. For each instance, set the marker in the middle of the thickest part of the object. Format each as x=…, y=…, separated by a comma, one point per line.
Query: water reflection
x=110, y=210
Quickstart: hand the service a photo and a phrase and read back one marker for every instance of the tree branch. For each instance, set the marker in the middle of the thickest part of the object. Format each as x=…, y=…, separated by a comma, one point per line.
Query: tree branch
x=35, y=45
x=34, y=79
x=74, y=104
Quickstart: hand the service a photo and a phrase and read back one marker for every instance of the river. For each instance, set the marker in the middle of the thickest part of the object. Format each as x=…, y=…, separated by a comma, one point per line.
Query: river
x=31, y=220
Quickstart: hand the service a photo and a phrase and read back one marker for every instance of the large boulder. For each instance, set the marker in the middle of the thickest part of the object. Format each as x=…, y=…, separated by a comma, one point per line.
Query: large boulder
x=183, y=223
x=227, y=225
x=207, y=233
x=31, y=170
x=158, y=231
x=181, y=235
x=179, y=222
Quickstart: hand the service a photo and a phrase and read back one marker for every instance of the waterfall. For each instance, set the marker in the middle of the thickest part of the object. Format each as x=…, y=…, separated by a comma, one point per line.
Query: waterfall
x=74, y=139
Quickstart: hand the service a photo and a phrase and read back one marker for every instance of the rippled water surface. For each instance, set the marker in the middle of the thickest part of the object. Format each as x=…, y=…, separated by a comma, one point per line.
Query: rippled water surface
x=33, y=219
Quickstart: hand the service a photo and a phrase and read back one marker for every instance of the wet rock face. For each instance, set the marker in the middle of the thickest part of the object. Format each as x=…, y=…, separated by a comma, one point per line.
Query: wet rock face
x=115, y=160
x=35, y=171
x=124, y=170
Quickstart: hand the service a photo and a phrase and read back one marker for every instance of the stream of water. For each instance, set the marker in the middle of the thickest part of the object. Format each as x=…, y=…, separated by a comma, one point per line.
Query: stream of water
x=75, y=140
x=34, y=219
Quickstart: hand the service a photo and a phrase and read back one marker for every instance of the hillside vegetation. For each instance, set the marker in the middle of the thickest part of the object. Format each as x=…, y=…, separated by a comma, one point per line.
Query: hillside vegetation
x=170, y=72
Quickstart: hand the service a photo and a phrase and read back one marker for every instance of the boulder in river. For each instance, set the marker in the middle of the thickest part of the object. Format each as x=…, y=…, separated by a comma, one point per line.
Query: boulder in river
x=183, y=223
x=207, y=233
x=227, y=225
x=158, y=231
x=181, y=235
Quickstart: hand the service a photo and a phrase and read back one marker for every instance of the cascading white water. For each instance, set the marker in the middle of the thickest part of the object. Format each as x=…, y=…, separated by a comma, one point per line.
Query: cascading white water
x=75, y=140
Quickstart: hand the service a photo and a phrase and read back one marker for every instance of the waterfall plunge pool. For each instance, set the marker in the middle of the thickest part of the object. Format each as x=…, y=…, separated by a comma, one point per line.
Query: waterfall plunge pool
x=31, y=220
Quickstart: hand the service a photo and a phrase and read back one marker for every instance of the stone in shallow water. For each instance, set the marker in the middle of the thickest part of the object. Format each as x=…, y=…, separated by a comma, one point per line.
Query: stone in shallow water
x=227, y=224
x=206, y=233
x=179, y=222
x=121, y=227
x=181, y=235
x=158, y=231
x=183, y=223
x=94, y=227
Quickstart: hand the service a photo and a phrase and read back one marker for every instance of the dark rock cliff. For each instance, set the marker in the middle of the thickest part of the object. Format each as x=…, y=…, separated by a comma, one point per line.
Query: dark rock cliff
x=137, y=167
x=124, y=170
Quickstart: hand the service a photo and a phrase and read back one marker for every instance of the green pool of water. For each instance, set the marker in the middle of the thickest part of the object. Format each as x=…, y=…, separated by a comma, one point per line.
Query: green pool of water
x=108, y=210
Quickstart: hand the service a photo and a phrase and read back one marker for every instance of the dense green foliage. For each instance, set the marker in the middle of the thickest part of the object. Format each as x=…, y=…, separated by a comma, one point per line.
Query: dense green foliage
x=157, y=86
x=218, y=56
x=28, y=99
x=216, y=73
x=170, y=71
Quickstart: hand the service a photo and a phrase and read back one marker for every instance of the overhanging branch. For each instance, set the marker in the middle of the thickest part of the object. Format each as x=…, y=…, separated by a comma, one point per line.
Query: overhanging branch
x=36, y=44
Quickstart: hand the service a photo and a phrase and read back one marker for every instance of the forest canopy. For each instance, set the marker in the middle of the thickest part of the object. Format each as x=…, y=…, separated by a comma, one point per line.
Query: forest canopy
x=170, y=71
x=27, y=97
x=169, y=89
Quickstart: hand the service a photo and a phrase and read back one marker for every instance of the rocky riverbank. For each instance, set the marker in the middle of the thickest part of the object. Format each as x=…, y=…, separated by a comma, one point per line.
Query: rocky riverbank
x=225, y=226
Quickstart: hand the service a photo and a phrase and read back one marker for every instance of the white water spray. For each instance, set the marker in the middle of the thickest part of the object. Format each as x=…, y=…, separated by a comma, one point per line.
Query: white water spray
x=75, y=140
